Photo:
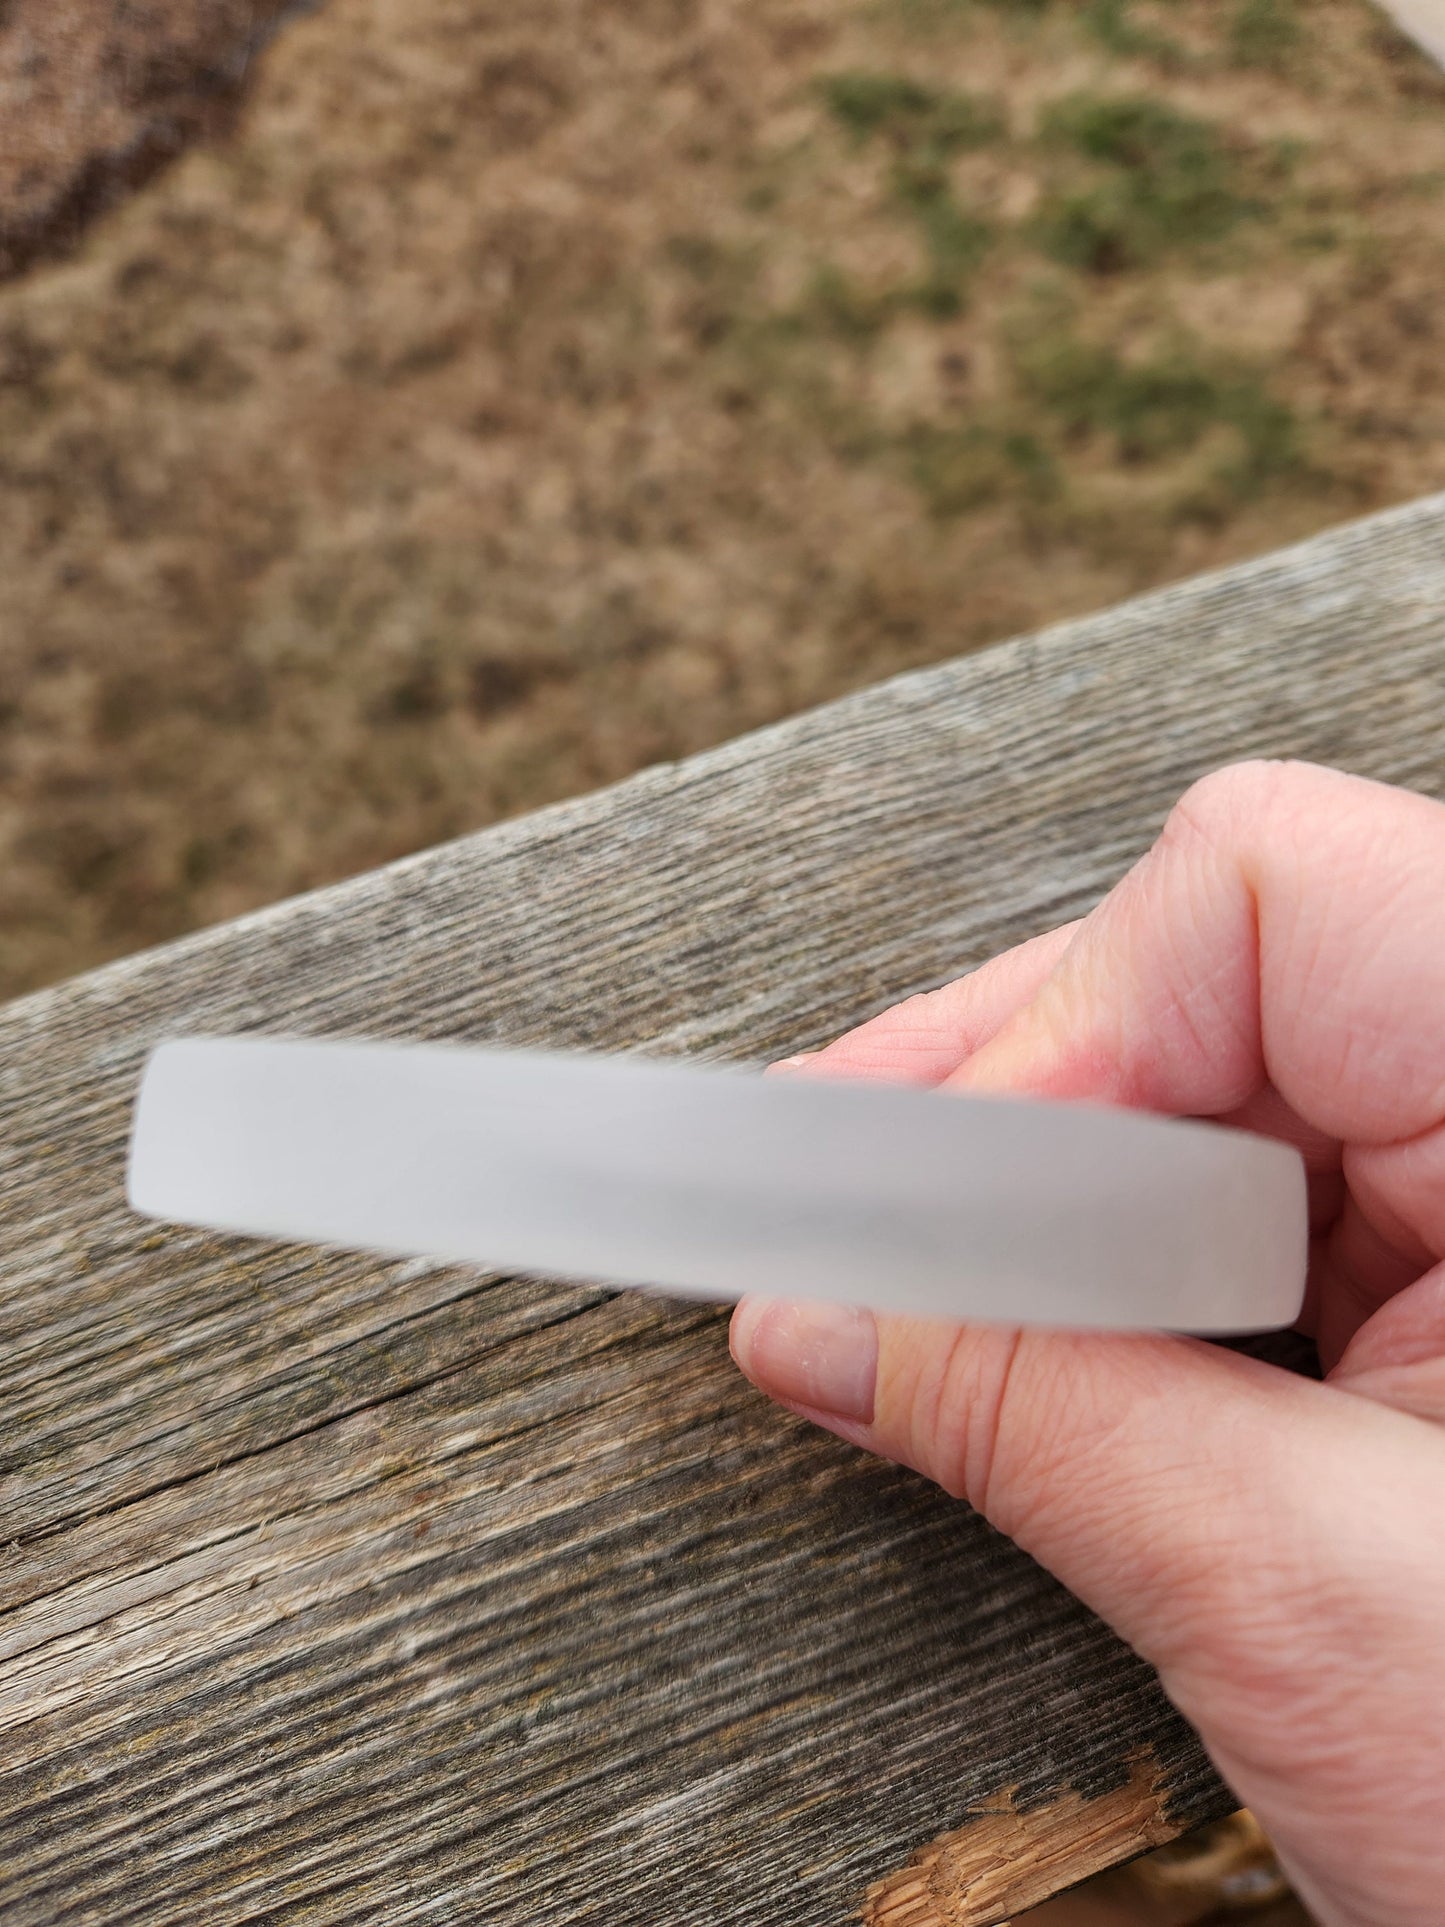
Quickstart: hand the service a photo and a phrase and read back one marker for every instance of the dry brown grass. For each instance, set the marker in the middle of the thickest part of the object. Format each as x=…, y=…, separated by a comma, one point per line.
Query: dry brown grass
x=519, y=396
x=95, y=96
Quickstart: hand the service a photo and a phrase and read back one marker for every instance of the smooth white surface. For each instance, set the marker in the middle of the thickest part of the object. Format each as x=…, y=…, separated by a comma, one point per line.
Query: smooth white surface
x=710, y=1182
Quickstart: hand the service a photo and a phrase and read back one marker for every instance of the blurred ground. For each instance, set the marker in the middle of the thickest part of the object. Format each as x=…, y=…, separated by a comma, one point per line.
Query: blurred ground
x=506, y=398
x=96, y=95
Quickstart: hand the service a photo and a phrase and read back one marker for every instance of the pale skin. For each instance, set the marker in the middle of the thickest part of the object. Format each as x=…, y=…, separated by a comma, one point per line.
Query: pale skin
x=1276, y=1547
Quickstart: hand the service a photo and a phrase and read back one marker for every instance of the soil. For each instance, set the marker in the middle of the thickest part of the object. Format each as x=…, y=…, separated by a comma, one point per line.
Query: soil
x=98, y=96
x=489, y=401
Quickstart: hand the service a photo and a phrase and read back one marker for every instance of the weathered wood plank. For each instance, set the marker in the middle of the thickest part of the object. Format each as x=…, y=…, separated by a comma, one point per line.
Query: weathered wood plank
x=342, y=1590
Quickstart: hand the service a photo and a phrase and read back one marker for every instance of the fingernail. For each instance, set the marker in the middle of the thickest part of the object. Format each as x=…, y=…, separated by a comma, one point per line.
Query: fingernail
x=785, y=1064
x=821, y=1356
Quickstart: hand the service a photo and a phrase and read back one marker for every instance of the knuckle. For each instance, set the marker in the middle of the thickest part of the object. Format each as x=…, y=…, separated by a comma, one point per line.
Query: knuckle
x=1228, y=804
x=1006, y=1419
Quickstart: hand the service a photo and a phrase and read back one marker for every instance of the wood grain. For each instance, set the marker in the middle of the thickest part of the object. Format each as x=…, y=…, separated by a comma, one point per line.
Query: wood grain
x=339, y=1590
x=1001, y=1859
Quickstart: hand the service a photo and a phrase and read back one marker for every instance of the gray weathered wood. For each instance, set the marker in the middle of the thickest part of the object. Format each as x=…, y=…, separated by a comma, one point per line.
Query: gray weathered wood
x=344, y=1591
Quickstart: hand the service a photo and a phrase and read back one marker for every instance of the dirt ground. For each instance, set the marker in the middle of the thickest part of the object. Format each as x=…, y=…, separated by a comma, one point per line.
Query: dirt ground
x=506, y=398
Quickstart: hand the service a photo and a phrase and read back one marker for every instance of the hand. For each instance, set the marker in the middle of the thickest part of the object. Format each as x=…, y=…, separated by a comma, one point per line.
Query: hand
x=1275, y=1546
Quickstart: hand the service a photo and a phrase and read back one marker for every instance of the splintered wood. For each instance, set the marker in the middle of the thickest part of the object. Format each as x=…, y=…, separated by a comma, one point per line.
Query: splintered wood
x=1005, y=1858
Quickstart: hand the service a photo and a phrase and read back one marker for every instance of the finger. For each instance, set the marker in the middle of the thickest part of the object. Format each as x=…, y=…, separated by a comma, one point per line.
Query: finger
x=1401, y=1188
x=1358, y=1270
x=1077, y=1446
x=1267, y=1114
x=1286, y=932
x=1255, y=1535
x=923, y=1039
x=1125, y=1463
x=1286, y=928
x=1398, y=1358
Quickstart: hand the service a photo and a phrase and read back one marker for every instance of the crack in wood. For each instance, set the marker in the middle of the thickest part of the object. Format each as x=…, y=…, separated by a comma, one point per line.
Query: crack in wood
x=1005, y=1857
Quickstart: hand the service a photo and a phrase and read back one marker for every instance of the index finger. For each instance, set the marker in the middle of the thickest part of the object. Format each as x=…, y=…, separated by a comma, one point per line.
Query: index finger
x=1287, y=929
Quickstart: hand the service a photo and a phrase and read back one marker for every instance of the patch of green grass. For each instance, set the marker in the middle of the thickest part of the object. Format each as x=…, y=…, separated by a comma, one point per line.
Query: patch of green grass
x=837, y=304
x=1164, y=404
x=1139, y=134
x=1267, y=34
x=924, y=128
x=1128, y=179
x=1164, y=180
x=959, y=468
x=927, y=124
x=1113, y=24
x=866, y=103
x=955, y=240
